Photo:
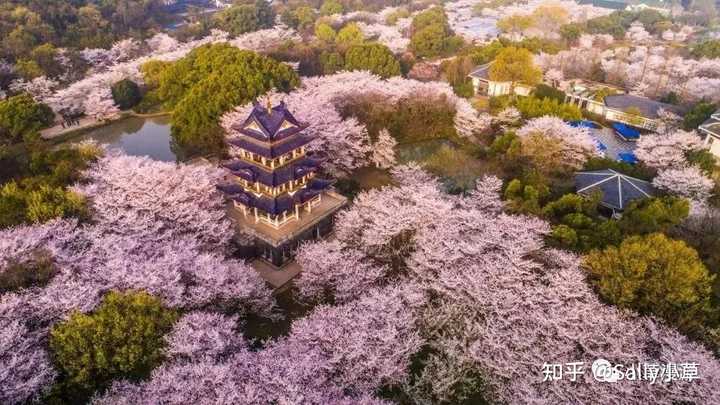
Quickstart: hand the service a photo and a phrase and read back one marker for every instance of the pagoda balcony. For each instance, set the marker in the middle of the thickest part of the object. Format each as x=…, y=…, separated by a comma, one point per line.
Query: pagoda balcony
x=269, y=164
x=291, y=187
x=278, y=221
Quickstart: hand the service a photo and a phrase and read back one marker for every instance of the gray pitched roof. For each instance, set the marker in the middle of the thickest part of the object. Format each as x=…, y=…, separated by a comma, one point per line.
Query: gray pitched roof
x=649, y=108
x=481, y=72
x=618, y=190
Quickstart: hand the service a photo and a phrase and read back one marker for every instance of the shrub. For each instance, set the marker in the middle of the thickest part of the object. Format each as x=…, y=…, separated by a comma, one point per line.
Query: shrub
x=122, y=338
x=543, y=91
x=533, y=107
x=126, y=94
x=350, y=35
x=21, y=117
x=413, y=118
x=654, y=215
x=653, y=275
x=376, y=58
x=36, y=270
x=457, y=169
x=698, y=114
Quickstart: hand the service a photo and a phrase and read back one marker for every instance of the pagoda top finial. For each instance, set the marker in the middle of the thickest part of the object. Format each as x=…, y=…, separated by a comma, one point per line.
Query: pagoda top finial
x=268, y=105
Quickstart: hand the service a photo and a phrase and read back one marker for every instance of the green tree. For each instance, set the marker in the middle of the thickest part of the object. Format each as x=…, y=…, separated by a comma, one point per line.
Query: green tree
x=48, y=202
x=706, y=49
x=28, y=69
x=44, y=56
x=331, y=62
x=653, y=274
x=654, y=215
x=456, y=73
x=543, y=91
x=210, y=81
x=487, y=53
x=350, y=34
x=21, y=117
x=515, y=65
x=122, y=338
x=330, y=7
x=431, y=34
x=305, y=16
x=325, y=33
x=532, y=107
x=429, y=41
x=376, y=58
x=698, y=114
x=36, y=269
x=571, y=32
x=126, y=94
x=244, y=18
x=515, y=24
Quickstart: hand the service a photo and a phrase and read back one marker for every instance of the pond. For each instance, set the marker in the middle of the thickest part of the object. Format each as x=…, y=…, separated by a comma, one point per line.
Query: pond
x=136, y=136
x=419, y=151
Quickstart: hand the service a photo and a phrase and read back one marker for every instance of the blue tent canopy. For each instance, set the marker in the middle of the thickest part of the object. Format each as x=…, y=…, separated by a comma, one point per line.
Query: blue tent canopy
x=627, y=157
x=584, y=124
x=599, y=145
x=625, y=132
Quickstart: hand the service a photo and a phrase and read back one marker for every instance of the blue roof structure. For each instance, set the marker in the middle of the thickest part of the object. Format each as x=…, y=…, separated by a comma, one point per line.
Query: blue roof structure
x=626, y=132
x=584, y=124
x=628, y=157
x=617, y=189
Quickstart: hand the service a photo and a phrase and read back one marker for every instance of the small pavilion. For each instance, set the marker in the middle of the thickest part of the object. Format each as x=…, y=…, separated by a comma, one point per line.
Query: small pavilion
x=617, y=189
x=273, y=186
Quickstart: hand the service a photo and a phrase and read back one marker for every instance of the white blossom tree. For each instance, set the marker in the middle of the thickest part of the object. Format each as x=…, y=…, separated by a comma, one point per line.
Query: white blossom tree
x=383, y=150
x=688, y=182
x=660, y=151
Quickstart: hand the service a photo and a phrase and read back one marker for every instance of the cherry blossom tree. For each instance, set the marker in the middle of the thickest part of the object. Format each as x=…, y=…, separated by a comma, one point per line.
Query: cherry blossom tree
x=100, y=105
x=383, y=150
x=331, y=356
x=39, y=88
x=201, y=334
x=637, y=33
x=26, y=369
x=148, y=199
x=346, y=141
x=390, y=36
x=660, y=151
x=163, y=43
x=689, y=182
x=575, y=144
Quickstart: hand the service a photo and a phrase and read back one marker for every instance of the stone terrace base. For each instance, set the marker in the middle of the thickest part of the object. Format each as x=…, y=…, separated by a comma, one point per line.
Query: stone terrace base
x=277, y=279
x=277, y=246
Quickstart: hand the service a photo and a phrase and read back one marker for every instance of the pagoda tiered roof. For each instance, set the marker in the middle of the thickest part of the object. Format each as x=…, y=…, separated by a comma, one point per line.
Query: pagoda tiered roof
x=276, y=205
x=273, y=178
x=270, y=124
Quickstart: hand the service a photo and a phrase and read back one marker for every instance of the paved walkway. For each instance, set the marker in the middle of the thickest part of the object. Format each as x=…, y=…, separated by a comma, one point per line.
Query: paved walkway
x=614, y=144
x=58, y=130
x=277, y=278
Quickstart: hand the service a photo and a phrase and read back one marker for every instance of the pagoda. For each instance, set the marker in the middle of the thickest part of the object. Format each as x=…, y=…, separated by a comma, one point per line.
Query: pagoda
x=272, y=184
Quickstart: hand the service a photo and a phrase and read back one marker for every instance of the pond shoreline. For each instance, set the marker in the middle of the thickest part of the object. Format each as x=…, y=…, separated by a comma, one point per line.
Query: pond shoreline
x=69, y=133
x=134, y=134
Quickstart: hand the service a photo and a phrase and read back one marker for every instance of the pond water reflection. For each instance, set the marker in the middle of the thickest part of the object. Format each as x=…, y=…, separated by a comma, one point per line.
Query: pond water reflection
x=136, y=136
